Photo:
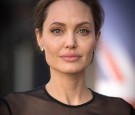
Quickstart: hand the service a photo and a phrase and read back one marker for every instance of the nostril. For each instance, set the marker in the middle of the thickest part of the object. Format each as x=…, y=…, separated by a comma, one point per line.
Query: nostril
x=71, y=44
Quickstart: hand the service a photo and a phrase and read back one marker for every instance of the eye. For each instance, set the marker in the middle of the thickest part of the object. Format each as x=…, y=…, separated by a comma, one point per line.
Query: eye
x=56, y=31
x=84, y=31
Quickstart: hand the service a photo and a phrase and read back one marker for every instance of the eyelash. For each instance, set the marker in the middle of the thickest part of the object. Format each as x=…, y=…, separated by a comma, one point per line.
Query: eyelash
x=80, y=31
x=84, y=31
x=56, y=31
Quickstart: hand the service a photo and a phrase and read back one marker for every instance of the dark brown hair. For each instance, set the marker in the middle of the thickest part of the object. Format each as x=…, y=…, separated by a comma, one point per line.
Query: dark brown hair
x=41, y=9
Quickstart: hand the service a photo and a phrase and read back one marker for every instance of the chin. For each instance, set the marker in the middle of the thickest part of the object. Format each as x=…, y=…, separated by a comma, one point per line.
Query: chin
x=72, y=70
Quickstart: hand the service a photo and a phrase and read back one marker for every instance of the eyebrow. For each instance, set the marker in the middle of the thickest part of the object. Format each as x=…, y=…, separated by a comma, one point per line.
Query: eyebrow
x=83, y=23
x=57, y=23
x=62, y=24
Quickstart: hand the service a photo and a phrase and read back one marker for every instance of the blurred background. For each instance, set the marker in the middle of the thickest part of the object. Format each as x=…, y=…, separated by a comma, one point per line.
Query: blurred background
x=23, y=68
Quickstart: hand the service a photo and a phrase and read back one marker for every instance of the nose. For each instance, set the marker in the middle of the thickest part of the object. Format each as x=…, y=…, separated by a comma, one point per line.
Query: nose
x=70, y=41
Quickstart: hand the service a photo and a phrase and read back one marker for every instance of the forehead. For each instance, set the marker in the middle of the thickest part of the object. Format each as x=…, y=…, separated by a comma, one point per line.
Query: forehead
x=69, y=10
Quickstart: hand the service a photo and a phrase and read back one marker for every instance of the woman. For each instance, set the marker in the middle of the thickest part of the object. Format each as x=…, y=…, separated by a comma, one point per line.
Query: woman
x=67, y=31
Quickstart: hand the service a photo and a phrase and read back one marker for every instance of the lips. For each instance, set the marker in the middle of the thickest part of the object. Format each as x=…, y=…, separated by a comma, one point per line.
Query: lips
x=70, y=57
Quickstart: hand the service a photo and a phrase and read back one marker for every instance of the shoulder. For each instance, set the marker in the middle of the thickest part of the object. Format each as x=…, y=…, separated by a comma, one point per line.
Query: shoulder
x=14, y=102
x=113, y=104
x=26, y=96
x=109, y=100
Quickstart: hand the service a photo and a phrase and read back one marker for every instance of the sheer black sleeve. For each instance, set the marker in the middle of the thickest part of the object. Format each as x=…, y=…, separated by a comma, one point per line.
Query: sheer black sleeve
x=4, y=107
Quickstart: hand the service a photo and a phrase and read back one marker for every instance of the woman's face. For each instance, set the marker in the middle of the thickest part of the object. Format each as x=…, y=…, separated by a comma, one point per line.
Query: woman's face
x=68, y=36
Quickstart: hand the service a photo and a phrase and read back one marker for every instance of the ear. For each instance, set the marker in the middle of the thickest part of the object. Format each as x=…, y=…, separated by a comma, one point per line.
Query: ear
x=39, y=38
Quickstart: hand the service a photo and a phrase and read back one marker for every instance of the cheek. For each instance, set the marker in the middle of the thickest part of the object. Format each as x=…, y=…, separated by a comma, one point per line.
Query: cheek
x=88, y=54
x=50, y=53
x=51, y=47
x=88, y=51
x=89, y=47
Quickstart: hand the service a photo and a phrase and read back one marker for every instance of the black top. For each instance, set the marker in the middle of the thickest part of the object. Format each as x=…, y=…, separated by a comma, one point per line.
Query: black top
x=39, y=102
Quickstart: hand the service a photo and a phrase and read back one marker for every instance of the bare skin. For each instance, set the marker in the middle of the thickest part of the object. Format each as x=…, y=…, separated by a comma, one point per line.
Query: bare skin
x=68, y=40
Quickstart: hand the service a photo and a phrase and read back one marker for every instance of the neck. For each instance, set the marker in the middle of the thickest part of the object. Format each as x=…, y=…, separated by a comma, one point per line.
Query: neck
x=68, y=88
